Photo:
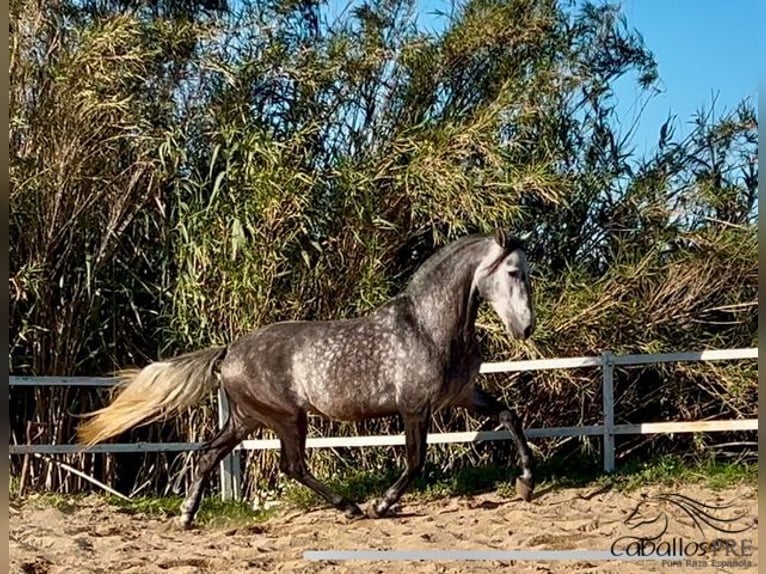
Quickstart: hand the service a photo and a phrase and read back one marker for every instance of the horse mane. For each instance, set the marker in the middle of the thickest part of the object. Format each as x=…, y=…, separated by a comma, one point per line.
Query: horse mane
x=445, y=252
x=441, y=255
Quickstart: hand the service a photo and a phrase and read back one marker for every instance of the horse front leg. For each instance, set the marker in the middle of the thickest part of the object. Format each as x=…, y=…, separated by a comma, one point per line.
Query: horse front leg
x=482, y=403
x=415, y=432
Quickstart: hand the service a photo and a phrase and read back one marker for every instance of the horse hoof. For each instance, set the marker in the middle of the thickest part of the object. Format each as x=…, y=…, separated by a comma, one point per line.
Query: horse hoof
x=181, y=524
x=525, y=489
x=353, y=512
x=376, y=509
x=379, y=509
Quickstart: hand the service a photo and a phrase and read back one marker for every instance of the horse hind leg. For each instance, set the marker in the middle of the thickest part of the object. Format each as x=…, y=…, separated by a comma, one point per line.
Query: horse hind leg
x=234, y=432
x=292, y=434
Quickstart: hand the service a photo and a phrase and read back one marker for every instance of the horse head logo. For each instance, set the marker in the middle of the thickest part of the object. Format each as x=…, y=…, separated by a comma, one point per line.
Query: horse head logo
x=652, y=513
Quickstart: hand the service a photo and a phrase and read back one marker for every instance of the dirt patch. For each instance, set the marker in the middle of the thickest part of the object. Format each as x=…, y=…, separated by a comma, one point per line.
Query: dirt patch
x=93, y=537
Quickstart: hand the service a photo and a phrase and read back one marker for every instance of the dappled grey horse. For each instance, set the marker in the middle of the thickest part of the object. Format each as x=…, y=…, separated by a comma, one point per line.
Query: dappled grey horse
x=412, y=356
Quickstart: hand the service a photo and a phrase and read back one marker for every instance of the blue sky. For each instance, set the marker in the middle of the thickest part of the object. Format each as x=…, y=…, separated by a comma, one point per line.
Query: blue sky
x=703, y=48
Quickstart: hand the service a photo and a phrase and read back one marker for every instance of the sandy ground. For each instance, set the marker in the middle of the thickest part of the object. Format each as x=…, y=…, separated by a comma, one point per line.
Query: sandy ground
x=94, y=537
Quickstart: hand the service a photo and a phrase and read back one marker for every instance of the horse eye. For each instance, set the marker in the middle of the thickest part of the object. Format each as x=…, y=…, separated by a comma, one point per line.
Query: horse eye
x=514, y=273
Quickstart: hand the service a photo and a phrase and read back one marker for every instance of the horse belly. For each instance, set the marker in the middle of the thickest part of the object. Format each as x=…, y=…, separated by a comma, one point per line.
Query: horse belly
x=353, y=406
x=345, y=396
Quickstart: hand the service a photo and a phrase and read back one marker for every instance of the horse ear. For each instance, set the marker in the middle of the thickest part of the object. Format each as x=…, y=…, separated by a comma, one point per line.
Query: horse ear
x=500, y=237
x=524, y=240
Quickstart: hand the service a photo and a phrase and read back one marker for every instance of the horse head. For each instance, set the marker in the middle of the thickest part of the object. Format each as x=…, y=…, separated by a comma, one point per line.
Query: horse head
x=502, y=279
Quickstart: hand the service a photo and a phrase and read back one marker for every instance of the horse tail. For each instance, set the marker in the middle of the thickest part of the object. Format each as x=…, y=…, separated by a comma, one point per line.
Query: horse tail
x=161, y=389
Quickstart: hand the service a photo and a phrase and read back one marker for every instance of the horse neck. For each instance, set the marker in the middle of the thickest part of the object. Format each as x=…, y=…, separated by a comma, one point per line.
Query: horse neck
x=447, y=305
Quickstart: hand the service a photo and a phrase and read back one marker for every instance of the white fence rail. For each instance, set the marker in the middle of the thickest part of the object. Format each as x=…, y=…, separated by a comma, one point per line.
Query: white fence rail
x=230, y=467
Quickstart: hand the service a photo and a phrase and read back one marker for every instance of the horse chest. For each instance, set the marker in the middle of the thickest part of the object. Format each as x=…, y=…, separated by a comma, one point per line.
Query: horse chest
x=463, y=362
x=458, y=377
x=459, y=374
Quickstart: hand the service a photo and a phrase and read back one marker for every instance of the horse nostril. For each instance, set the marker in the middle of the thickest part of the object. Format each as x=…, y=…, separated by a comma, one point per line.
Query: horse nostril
x=527, y=332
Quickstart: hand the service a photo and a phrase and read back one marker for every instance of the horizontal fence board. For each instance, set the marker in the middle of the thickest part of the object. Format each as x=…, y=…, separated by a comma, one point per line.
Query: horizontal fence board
x=398, y=440
x=539, y=365
x=62, y=381
x=486, y=368
x=102, y=448
x=622, y=360
x=703, y=356
x=313, y=442
x=685, y=427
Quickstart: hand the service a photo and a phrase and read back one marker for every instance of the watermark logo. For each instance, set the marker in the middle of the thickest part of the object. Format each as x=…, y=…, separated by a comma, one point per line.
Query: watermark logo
x=673, y=529
x=718, y=534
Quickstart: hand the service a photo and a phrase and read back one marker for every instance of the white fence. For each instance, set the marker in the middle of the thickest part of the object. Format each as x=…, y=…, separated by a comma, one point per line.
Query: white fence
x=230, y=467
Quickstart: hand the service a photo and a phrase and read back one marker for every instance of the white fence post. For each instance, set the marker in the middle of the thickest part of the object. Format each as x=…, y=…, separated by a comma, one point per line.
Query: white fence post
x=230, y=472
x=608, y=397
